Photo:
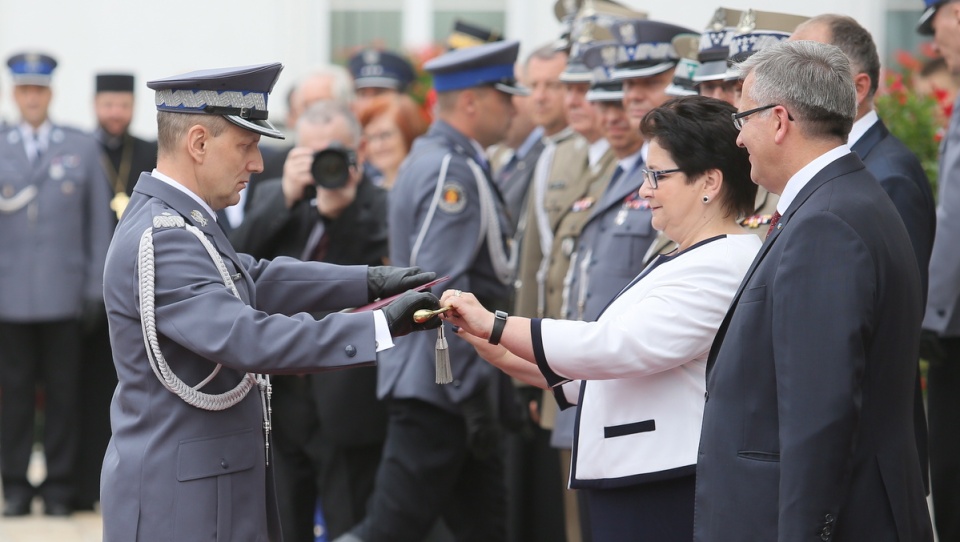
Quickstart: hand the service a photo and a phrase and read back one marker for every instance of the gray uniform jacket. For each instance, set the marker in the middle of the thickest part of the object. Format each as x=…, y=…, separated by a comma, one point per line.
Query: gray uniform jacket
x=943, y=300
x=439, y=230
x=56, y=222
x=612, y=245
x=176, y=472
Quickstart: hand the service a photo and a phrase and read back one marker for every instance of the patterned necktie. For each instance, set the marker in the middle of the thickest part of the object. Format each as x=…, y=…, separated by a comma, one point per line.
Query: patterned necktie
x=773, y=223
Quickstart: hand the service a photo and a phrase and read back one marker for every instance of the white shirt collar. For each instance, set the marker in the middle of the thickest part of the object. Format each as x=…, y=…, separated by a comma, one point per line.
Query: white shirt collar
x=861, y=126
x=596, y=151
x=802, y=177
x=176, y=184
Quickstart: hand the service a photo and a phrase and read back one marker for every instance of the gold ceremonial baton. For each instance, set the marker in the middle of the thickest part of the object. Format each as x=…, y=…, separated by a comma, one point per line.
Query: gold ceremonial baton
x=423, y=315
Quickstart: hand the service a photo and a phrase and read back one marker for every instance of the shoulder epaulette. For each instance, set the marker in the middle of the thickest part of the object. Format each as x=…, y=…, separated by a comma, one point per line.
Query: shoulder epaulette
x=167, y=220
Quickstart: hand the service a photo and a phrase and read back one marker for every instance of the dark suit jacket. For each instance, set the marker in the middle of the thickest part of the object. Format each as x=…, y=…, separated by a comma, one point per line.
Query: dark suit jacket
x=902, y=177
x=808, y=423
x=346, y=401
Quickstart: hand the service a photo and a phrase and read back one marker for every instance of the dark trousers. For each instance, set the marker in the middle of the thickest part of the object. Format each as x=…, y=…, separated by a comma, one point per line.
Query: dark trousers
x=98, y=380
x=428, y=471
x=534, y=491
x=652, y=512
x=32, y=355
x=943, y=418
x=309, y=467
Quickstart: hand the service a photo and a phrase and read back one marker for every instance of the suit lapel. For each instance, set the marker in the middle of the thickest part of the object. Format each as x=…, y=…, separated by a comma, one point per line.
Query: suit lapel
x=841, y=166
x=870, y=139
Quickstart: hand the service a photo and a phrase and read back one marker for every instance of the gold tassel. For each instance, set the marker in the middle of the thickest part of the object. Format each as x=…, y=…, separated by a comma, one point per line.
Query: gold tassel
x=444, y=371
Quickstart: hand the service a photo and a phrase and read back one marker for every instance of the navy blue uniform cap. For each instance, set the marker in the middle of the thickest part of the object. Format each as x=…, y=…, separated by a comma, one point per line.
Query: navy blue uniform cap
x=715, y=45
x=757, y=30
x=32, y=69
x=237, y=94
x=488, y=64
x=646, y=47
x=381, y=69
x=601, y=58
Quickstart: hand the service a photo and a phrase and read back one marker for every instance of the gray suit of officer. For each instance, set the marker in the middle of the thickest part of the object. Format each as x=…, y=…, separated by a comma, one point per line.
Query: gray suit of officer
x=56, y=224
x=442, y=454
x=175, y=471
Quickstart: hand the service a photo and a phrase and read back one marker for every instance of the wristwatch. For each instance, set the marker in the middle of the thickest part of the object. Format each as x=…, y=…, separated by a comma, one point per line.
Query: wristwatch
x=499, y=320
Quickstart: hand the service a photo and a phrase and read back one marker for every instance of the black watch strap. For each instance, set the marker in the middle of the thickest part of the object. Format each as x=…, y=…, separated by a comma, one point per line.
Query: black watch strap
x=499, y=321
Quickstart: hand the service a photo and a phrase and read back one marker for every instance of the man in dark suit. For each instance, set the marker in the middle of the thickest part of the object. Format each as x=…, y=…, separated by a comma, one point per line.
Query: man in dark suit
x=894, y=165
x=329, y=428
x=808, y=423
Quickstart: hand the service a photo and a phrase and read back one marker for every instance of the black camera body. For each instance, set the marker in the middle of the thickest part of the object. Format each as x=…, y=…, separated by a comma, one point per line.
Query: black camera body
x=331, y=166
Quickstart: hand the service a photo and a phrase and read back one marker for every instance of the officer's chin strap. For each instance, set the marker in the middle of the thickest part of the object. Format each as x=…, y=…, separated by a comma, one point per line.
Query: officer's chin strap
x=148, y=318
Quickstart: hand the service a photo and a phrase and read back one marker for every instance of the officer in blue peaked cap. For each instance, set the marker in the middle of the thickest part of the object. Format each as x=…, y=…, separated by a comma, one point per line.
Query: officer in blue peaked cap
x=490, y=64
x=373, y=69
x=237, y=94
x=32, y=69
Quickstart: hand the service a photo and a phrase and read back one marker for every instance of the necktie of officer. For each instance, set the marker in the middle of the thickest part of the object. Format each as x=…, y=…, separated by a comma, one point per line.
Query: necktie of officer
x=773, y=223
x=617, y=173
x=37, y=147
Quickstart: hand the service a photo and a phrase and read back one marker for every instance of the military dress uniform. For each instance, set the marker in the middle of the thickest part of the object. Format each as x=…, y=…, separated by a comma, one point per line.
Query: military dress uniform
x=56, y=226
x=190, y=322
x=442, y=456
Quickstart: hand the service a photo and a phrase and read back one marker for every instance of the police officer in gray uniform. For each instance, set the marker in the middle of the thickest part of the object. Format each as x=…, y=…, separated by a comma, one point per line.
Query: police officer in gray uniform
x=56, y=224
x=192, y=322
x=442, y=456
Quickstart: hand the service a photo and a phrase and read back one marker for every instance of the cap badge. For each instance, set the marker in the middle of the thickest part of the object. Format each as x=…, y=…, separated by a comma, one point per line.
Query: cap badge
x=748, y=22
x=628, y=34
x=719, y=20
x=371, y=57
x=198, y=217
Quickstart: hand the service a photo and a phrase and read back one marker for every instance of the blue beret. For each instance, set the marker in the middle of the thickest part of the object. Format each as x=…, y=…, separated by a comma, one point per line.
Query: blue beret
x=32, y=69
x=381, y=69
x=238, y=94
x=488, y=64
x=647, y=47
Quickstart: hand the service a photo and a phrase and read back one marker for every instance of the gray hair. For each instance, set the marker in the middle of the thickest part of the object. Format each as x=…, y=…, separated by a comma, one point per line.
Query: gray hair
x=324, y=112
x=855, y=41
x=341, y=82
x=811, y=80
x=544, y=52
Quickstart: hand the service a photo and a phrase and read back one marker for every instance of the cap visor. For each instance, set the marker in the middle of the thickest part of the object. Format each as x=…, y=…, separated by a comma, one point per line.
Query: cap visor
x=633, y=73
x=711, y=71
x=377, y=82
x=513, y=90
x=32, y=80
x=576, y=77
x=925, y=24
x=600, y=95
x=677, y=90
x=261, y=127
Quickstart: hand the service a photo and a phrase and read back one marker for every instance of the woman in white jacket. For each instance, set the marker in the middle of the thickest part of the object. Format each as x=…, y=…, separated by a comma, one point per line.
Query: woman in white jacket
x=638, y=371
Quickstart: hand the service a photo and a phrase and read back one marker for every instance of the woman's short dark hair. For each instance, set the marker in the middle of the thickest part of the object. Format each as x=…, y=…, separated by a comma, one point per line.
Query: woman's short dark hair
x=699, y=134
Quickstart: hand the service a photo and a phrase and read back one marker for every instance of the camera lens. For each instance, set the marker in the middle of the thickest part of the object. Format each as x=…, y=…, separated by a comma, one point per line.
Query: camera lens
x=331, y=168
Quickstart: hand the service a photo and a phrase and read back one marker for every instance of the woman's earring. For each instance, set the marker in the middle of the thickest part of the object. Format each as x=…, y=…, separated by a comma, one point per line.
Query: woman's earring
x=706, y=200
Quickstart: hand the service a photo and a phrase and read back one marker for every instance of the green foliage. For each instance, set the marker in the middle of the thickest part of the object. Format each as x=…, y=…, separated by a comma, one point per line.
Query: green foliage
x=914, y=119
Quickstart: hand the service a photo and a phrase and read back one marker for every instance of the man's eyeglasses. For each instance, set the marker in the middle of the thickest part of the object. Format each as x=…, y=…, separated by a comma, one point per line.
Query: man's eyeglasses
x=653, y=176
x=739, y=119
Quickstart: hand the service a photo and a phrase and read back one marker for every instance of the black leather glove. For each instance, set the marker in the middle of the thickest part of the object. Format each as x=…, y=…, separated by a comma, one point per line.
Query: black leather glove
x=400, y=313
x=386, y=280
x=930, y=347
x=94, y=315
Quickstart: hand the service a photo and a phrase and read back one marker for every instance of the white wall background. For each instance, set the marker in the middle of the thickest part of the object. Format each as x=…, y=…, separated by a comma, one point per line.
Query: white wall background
x=157, y=39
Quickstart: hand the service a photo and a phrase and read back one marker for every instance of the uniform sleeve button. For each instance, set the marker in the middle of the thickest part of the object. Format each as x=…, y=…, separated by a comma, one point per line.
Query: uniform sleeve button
x=829, y=518
x=350, y=350
x=224, y=464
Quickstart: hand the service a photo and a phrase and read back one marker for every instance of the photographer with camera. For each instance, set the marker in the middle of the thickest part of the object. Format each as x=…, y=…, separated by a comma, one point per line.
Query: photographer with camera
x=330, y=428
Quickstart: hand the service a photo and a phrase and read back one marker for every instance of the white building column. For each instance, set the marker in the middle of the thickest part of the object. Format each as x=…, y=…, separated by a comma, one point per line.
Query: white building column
x=417, y=24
